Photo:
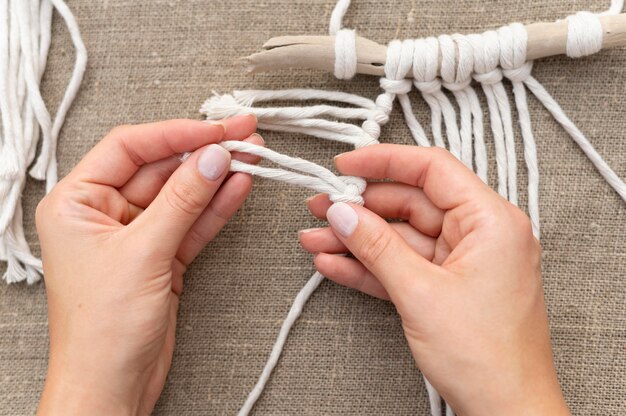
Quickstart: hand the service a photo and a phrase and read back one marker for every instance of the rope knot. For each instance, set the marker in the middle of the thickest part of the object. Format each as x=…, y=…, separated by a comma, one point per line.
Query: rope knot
x=368, y=142
x=396, y=86
x=354, y=187
x=372, y=128
x=428, y=87
x=519, y=74
x=384, y=102
x=489, y=78
x=457, y=86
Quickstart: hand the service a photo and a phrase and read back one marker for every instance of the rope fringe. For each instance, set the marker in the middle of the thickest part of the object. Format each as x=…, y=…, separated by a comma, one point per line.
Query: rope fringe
x=25, y=34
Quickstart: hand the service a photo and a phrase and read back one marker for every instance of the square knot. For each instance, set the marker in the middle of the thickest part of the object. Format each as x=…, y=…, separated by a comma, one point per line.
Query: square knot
x=351, y=192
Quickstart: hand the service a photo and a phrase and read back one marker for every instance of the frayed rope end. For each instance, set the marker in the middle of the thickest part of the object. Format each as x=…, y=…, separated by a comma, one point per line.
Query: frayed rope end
x=223, y=106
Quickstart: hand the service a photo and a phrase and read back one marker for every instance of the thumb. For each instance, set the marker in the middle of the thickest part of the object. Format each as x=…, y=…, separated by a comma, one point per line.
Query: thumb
x=167, y=220
x=378, y=247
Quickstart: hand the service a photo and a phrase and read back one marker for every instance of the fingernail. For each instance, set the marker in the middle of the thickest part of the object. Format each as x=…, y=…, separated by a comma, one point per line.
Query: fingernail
x=343, y=218
x=308, y=230
x=258, y=136
x=213, y=162
x=216, y=123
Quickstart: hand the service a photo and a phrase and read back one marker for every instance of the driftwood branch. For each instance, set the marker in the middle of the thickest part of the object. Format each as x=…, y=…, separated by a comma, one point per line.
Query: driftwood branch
x=318, y=52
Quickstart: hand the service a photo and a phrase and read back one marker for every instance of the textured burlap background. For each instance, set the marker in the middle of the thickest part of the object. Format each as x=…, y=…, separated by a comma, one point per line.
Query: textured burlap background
x=159, y=59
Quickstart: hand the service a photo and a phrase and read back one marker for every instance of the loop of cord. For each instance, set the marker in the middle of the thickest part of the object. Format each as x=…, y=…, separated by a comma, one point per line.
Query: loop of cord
x=584, y=34
x=303, y=173
x=345, y=54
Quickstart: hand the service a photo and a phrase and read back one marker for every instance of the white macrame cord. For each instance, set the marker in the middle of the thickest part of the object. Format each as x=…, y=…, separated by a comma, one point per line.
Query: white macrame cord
x=25, y=34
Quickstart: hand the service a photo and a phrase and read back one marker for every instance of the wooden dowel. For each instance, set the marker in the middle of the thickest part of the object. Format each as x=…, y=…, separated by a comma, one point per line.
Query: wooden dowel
x=318, y=52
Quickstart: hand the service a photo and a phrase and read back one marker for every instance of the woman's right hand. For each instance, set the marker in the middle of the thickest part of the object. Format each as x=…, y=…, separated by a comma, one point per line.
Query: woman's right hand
x=462, y=268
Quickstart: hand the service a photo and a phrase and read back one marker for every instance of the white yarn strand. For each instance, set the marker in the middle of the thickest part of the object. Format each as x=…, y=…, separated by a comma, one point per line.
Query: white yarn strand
x=513, y=46
x=487, y=75
x=336, y=17
x=294, y=313
x=307, y=174
x=559, y=115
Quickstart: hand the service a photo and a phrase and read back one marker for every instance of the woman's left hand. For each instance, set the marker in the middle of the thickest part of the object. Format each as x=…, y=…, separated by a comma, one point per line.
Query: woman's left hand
x=117, y=235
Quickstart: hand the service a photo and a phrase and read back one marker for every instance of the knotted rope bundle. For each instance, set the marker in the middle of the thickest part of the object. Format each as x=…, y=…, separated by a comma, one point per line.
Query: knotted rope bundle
x=435, y=64
x=25, y=32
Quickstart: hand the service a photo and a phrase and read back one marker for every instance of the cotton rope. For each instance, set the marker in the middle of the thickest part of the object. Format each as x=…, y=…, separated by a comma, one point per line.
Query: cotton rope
x=25, y=34
x=447, y=62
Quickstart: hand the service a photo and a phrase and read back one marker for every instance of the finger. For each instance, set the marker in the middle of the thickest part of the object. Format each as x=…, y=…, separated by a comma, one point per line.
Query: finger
x=122, y=152
x=182, y=199
x=223, y=206
x=324, y=240
x=380, y=248
x=239, y=127
x=144, y=186
x=349, y=272
x=393, y=200
x=444, y=179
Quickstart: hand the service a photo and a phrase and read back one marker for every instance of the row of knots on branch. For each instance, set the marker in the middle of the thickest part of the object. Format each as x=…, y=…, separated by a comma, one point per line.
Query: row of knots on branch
x=452, y=61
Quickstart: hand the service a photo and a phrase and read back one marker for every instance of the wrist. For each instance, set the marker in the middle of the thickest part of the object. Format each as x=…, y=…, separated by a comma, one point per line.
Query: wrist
x=62, y=398
x=538, y=400
x=80, y=391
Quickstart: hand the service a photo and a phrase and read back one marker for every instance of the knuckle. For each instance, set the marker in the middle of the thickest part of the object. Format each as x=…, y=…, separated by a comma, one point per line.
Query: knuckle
x=119, y=131
x=199, y=238
x=441, y=153
x=52, y=208
x=41, y=212
x=373, y=246
x=521, y=224
x=184, y=197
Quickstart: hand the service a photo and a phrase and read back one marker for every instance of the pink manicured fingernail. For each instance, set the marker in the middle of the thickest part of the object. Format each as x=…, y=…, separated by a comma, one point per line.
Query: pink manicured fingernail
x=343, y=218
x=258, y=136
x=213, y=162
x=308, y=230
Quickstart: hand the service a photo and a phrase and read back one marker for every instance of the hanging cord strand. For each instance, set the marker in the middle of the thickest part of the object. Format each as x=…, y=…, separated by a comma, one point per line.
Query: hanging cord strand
x=318, y=178
x=513, y=46
x=585, y=36
x=294, y=313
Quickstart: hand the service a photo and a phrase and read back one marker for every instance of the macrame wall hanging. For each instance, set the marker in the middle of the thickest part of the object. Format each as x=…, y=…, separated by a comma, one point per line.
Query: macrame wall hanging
x=431, y=65
x=455, y=63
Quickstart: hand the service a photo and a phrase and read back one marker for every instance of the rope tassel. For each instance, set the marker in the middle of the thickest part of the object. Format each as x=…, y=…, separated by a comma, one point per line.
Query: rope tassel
x=25, y=35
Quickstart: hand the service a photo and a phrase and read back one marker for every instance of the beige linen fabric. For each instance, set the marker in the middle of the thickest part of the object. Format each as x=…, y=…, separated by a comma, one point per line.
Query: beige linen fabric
x=159, y=59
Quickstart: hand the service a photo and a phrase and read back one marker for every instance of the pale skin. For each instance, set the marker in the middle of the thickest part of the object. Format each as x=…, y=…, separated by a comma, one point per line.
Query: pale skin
x=462, y=267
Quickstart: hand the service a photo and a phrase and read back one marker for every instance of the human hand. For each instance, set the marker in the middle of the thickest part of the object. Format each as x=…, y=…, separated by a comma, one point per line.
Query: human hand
x=117, y=235
x=462, y=268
